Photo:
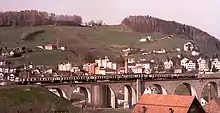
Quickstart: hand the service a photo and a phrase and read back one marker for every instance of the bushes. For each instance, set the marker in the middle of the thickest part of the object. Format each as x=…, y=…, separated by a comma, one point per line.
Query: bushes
x=29, y=36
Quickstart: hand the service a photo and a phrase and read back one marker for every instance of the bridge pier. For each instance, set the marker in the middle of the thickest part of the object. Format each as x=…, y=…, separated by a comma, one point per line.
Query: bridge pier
x=99, y=95
x=140, y=87
x=126, y=98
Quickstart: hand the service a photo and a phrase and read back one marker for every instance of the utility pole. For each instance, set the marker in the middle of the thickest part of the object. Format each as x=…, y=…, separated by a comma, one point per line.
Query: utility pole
x=57, y=42
x=28, y=77
x=126, y=54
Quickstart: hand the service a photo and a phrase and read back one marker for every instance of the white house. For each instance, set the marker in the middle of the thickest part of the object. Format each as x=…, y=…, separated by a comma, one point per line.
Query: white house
x=11, y=77
x=190, y=65
x=126, y=50
x=74, y=69
x=64, y=67
x=62, y=48
x=109, y=65
x=48, y=47
x=131, y=65
x=143, y=40
x=168, y=64
x=114, y=66
x=195, y=53
x=102, y=62
x=215, y=62
x=41, y=47
x=144, y=64
x=2, y=63
x=178, y=49
x=203, y=101
x=49, y=71
x=137, y=69
x=6, y=53
x=183, y=61
x=131, y=60
x=188, y=46
x=161, y=51
x=203, y=64
x=11, y=53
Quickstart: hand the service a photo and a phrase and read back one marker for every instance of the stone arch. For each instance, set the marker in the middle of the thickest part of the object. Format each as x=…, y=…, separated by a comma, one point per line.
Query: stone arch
x=112, y=100
x=155, y=88
x=129, y=96
x=58, y=92
x=209, y=89
x=181, y=89
x=83, y=93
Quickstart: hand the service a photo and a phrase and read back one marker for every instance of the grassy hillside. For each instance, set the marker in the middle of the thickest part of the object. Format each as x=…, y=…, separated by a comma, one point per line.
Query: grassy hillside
x=40, y=100
x=100, y=41
x=25, y=99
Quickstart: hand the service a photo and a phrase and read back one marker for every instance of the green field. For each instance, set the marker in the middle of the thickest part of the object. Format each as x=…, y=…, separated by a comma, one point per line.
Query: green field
x=40, y=100
x=100, y=41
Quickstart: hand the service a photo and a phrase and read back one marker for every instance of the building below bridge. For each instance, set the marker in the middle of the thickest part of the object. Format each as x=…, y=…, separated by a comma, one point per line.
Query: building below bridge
x=157, y=103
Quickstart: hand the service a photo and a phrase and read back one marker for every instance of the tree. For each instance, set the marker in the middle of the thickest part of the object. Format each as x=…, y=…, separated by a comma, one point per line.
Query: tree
x=214, y=69
x=171, y=70
x=89, y=57
x=120, y=60
x=34, y=17
x=160, y=67
x=184, y=70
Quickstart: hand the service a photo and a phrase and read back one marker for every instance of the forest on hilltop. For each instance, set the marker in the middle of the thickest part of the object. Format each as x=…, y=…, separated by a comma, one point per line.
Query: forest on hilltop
x=34, y=17
x=148, y=24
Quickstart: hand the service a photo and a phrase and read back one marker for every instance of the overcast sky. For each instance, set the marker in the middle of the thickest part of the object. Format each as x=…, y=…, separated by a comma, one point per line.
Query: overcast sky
x=199, y=13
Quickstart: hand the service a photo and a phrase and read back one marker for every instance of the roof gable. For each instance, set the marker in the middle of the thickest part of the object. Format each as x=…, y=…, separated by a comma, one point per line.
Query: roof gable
x=156, y=103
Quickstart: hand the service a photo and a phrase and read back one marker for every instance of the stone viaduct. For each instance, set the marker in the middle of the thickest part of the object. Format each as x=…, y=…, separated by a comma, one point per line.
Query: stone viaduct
x=105, y=94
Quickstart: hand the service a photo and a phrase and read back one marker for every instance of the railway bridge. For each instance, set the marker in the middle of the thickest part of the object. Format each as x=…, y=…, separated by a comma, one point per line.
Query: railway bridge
x=109, y=93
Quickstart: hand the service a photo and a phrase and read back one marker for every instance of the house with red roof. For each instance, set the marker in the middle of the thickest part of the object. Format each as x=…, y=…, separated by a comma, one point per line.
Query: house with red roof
x=157, y=103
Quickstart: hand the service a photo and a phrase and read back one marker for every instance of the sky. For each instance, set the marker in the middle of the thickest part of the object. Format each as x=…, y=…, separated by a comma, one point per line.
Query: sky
x=203, y=14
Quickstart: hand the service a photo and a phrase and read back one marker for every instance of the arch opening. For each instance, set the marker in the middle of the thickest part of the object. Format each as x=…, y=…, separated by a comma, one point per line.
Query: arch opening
x=111, y=98
x=209, y=91
x=155, y=89
x=185, y=89
x=126, y=97
x=58, y=92
x=80, y=95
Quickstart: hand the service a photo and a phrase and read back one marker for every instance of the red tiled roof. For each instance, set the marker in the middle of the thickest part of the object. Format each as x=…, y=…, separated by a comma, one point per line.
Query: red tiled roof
x=213, y=106
x=217, y=101
x=156, y=103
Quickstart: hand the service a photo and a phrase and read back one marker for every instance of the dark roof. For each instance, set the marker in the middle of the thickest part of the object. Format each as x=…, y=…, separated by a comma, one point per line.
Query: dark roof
x=109, y=70
x=131, y=64
x=206, y=98
x=144, y=62
x=191, y=60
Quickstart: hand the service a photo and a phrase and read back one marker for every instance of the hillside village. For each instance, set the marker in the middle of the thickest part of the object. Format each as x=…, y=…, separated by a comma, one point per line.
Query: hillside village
x=196, y=62
x=144, y=45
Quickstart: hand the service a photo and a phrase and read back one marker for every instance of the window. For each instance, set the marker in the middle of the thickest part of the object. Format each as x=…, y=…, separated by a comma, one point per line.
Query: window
x=192, y=110
x=143, y=110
